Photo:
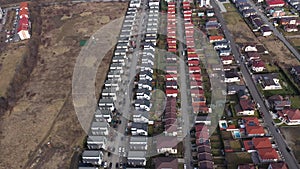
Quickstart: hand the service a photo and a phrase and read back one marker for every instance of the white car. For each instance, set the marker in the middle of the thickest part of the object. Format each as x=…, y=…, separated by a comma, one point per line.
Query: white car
x=120, y=149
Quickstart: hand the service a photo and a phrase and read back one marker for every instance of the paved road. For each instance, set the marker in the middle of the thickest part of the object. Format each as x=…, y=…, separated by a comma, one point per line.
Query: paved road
x=186, y=111
x=275, y=31
x=288, y=156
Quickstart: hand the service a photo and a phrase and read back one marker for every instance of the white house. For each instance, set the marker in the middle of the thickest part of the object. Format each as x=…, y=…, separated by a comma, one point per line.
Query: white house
x=102, y=115
x=231, y=76
x=166, y=144
x=96, y=142
x=136, y=158
x=107, y=103
x=99, y=128
x=92, y=157
x=269, y=82
x=138, y=143
x=139, y=129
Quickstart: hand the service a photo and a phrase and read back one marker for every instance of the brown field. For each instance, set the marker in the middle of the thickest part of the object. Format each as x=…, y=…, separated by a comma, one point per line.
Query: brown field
x=243, y=34
x=292, y=136
x=45, y=112
x=9, y=60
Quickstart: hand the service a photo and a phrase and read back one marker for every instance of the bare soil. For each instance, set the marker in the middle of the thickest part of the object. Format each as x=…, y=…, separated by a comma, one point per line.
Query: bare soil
x=45, y=112
x=292, y=136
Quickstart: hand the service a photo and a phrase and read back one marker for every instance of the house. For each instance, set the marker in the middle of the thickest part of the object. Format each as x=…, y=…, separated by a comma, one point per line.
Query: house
x=203, y=119
x=257, y=143
x=225, y=52
x=231, y=76
x=166, y=163
x=109, y=93
x=246, y=107
x=206, y=164
x=99, y=128
x=166, y=144
x=210, y=12
x=267, y=155
x=106, y=103
x=171, y=77
x=215, y=38
x=290, y=116
x=252, y=55
x=136, y=158
x=269, y=82
x=249, y=12
x=24, y=28
x=96, y=142
x=171, y=84
x=275, y=3
x=278, y=165
x=103, y=115
x=258, y=66
x=290, y=28
x=234, y=88
x=138, y=143
x=141, y=117
x=139, y=129
x=266, y=30
x=278, y=102
x=92, y=157
x=143, y=94
x=252, y=127
x=227, y=60
x=203, y=148
x=170, y=92
x=221, y=44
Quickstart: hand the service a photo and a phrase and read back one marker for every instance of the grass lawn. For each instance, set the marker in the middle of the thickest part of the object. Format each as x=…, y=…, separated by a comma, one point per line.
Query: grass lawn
x=235, y=145
x=234, y=159
x=277, y=121
x=229, y=7
x=295, y=102
x=271, y=68
x=216, y=152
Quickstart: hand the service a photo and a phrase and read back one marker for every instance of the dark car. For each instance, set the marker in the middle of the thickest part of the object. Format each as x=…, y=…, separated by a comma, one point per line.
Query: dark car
x=117, y=165
x=110, y=165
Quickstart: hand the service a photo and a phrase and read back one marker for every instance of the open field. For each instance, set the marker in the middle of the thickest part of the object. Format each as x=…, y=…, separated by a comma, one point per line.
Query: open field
x=45, y=111
x=243, y=34
x=9, y=60
x=292, y=136
x=243, y=158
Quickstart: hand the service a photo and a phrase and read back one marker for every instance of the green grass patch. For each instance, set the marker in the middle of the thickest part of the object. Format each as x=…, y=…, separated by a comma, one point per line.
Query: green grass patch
x=295, y=102
x=235, y=145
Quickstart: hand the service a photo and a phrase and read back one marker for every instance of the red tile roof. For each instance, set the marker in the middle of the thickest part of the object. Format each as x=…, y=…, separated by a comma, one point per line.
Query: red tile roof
x=292, y=114
x=166, y=142
x=261, y=142
x=171, y=91
x=259, y=63
x=267, y=153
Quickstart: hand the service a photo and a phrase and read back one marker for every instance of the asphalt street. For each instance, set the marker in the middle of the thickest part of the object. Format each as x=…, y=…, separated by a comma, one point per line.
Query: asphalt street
x=288, y=156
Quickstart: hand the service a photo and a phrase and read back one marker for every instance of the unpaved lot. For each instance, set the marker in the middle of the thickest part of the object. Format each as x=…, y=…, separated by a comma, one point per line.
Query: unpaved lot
x=45, y=113
x=292, y=136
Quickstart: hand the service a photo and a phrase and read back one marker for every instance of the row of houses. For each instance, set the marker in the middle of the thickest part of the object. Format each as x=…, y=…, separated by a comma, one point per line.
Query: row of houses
x=197, y=92
x=97, y=139
x=249, y=13
x=138, y=144
x=24, y=22
x=202, y=147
